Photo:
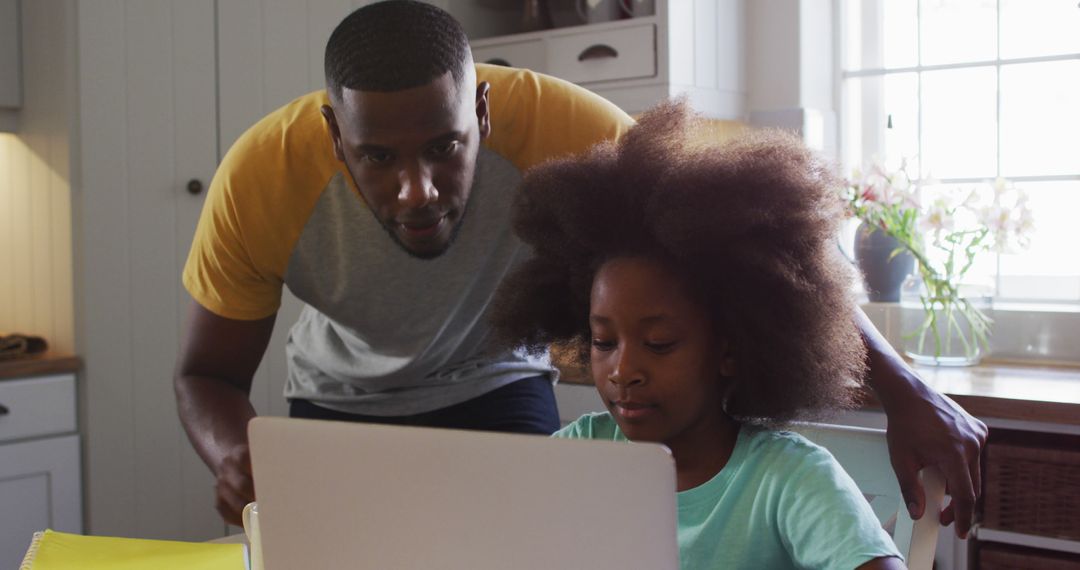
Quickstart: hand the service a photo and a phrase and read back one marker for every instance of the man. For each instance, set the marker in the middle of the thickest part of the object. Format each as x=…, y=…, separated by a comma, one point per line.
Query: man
x=384, y=204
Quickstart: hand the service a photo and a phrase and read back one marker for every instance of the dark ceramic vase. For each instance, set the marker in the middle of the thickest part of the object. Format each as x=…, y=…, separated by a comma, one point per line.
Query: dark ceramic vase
x=882, y=276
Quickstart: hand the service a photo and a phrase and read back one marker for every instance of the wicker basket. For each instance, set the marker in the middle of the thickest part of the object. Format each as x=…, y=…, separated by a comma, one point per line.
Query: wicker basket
x=1033, y=489
x=1002, y=557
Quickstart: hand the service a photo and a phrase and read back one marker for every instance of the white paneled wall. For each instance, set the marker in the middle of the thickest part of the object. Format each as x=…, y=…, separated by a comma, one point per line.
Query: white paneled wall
x=35, y=192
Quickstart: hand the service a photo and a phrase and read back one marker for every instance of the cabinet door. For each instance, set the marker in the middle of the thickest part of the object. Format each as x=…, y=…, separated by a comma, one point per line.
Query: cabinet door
x=10, y=69
x=148, y=124
x=39, y=489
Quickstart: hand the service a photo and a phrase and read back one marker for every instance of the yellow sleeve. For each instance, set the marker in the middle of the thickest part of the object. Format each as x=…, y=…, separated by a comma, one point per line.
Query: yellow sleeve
x=536, y=117
x=261, y=196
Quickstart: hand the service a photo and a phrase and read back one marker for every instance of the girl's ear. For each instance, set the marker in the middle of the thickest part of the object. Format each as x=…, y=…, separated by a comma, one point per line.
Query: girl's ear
x=727, y=361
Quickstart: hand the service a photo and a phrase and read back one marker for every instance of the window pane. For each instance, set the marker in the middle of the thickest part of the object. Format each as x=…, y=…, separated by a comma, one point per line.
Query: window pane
x=959, y=123
x=880, y=34
x=871, y=105
x=901, y=33
x=1039, y=27
x=1050, y=268
x=958, y=30
x=1040, y=118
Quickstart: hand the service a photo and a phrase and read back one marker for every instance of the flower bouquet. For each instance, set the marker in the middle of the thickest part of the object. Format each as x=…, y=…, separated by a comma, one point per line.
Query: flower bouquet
x=945, y=229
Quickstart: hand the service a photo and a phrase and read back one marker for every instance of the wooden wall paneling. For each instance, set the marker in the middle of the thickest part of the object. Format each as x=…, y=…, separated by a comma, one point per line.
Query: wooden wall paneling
x=152, y=279
x=39, y=138
x=40, y=235
x=60, y=94
x=35, y=288
x=21, y=257
x=195, y=135
x=103, y=305
x=8, y=144
x=285, y=52
x=240, y=68
x=323, y=16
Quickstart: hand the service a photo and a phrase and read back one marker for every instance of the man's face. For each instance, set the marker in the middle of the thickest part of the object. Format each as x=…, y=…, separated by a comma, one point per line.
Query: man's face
x=412, y=154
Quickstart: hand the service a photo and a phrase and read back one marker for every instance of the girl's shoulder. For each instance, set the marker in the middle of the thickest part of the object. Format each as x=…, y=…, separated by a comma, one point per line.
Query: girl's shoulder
x=782, y=449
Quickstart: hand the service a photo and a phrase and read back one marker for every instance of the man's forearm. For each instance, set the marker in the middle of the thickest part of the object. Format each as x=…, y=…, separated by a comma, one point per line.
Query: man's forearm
x=890, y=376
x=214, y=414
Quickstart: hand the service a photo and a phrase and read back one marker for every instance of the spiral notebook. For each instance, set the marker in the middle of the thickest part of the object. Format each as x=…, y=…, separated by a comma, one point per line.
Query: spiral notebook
x=51, y=550
x=345, y=495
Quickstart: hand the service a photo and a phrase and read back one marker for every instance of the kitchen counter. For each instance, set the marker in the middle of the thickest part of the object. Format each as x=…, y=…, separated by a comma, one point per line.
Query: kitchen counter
x=39, y=365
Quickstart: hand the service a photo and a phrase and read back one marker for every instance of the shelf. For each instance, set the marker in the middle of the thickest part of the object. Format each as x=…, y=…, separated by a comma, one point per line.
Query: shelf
x=1034, y=541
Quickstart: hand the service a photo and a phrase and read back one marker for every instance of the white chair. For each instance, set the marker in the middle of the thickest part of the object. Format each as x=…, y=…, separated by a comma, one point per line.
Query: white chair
x=864, y=454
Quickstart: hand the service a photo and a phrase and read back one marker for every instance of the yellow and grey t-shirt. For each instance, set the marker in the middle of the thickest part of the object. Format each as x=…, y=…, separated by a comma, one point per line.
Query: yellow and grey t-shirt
x=381, y=333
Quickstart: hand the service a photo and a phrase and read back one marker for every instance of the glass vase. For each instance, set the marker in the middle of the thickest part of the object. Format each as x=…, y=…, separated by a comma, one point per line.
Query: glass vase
x=943, y=329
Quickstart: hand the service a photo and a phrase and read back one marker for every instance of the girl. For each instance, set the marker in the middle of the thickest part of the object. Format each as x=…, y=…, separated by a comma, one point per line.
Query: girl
x=703, y=286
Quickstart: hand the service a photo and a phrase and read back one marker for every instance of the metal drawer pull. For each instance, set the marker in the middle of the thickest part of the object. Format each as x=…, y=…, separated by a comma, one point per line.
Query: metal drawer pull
x=598, y=51
x=4, y=410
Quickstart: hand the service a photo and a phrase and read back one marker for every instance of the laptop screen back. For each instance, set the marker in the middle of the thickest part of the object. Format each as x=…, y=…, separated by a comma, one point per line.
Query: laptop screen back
x=343, y=495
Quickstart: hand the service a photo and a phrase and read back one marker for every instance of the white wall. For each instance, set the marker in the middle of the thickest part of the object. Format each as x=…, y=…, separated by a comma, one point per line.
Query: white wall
x=790, y=68
x=35, y=188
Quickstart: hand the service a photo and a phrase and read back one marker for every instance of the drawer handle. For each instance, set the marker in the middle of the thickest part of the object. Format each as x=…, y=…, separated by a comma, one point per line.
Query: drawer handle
x=598, y=51
x=4, y=410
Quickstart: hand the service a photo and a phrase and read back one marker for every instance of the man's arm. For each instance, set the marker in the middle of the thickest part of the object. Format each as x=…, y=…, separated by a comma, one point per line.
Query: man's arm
x=925, y=428
x=213, y=377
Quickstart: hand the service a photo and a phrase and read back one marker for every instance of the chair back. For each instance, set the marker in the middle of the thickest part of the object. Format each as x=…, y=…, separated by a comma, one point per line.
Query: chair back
x=864, y=454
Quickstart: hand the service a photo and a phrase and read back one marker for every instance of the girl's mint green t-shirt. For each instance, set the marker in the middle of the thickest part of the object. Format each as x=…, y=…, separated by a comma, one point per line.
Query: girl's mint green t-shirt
x=780, y=502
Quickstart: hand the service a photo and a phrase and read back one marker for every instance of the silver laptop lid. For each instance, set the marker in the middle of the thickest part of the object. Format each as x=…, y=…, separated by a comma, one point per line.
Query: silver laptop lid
x=342, y=495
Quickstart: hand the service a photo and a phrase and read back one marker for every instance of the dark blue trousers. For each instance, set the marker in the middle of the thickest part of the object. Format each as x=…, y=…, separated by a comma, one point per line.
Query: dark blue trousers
x=524, y=406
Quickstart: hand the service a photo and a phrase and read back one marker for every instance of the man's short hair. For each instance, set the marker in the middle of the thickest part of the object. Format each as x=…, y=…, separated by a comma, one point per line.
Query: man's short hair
x=395, y=45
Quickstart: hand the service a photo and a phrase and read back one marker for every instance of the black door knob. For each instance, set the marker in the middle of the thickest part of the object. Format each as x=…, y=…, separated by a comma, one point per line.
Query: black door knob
x=194, y=186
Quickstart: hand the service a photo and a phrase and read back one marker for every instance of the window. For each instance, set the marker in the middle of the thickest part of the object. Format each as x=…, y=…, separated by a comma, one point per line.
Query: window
x=967, y=91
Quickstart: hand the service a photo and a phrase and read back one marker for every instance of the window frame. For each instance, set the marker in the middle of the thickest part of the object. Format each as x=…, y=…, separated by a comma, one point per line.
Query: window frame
x=1069, y=306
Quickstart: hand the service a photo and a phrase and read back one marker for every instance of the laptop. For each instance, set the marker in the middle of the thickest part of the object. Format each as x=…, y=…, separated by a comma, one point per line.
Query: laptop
x=344, y=495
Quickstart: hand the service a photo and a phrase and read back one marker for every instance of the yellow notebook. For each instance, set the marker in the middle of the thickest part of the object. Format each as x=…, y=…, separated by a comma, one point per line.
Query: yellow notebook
x=51, y=550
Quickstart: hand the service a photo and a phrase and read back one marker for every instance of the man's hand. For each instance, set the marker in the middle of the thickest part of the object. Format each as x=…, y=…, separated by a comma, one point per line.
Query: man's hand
x=929, y=429
x=925, y=429
x=235, y=487
x=213, y=378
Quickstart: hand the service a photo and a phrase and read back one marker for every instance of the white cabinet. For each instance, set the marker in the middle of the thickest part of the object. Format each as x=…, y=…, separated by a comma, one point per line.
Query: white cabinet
x=689, y=47
x=39, y=462
x=10, y=65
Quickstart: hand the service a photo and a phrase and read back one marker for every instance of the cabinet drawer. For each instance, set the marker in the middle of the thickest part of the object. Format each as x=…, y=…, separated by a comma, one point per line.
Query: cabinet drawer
x=37, y=406
x=624, y=53
x=527, y=54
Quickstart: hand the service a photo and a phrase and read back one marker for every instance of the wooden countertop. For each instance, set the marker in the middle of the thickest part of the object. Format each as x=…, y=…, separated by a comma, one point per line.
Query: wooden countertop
x=39, y=365
x=1026, y=392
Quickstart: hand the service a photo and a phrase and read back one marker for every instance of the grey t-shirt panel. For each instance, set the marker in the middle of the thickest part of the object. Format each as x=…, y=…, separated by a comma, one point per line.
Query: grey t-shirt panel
x=385, y=333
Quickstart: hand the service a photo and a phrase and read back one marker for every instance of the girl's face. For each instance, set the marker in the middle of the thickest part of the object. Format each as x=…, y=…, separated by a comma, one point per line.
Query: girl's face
x=656, y=360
